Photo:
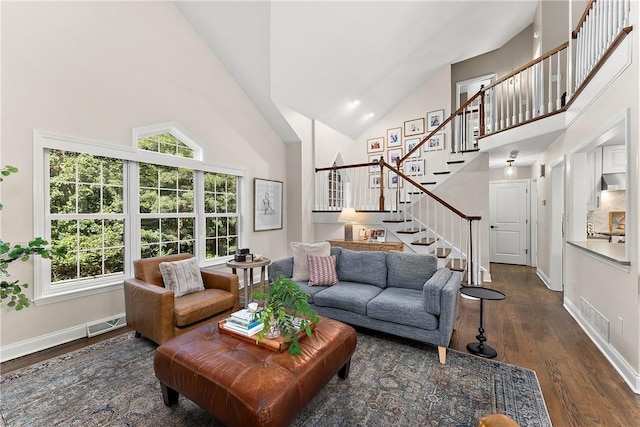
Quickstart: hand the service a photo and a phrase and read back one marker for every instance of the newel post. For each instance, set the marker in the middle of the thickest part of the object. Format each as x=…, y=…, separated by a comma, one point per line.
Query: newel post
x=482, y=126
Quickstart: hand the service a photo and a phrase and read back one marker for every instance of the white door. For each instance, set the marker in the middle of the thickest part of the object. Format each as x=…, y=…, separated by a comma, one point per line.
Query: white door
x=509, y=217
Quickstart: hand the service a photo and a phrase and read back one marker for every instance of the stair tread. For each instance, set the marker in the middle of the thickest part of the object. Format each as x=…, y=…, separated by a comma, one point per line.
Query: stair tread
x=454, y=162
x=457, y=264
x=429, y=183
x=410, y=230
x=442, y=252
x=424, y=241
x=395, y=221
x=441, y=173
x=471, y=150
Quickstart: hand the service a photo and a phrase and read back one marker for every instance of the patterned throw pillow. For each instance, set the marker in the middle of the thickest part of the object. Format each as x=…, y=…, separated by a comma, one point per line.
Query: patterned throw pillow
x=300, y=252
x=322, y=270
x=182, y=277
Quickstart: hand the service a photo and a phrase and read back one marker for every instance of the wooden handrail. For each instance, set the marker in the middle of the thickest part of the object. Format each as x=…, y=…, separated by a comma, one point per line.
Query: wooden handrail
x=436, y=130
x=355, y=165
x=574, y=33
x=528, y=65
x=430, y=194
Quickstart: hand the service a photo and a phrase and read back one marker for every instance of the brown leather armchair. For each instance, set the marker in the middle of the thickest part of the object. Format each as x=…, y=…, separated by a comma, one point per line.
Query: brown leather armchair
x=154, y=312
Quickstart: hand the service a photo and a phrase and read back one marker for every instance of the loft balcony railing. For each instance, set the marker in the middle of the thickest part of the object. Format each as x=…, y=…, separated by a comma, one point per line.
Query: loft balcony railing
x=541, y=88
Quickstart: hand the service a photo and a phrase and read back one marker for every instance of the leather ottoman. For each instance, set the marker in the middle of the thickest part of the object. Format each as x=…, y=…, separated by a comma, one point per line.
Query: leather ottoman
x=243, y=384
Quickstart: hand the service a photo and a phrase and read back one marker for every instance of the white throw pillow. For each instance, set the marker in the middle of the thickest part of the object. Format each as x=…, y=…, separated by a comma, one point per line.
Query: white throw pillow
x=300, y=252
x=182, y=277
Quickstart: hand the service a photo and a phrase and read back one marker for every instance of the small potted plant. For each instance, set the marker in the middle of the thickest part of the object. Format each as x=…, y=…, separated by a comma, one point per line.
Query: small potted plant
x=286, y=311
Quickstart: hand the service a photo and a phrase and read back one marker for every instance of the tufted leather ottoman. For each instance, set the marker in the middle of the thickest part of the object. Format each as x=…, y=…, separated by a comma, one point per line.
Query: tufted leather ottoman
x=242, y=384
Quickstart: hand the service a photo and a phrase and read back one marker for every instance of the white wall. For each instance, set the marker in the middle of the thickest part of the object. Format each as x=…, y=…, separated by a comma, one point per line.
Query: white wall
x=96, y=70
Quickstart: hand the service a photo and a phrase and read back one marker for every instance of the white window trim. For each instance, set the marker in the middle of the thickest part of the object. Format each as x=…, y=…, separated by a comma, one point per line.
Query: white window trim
x=44, y=292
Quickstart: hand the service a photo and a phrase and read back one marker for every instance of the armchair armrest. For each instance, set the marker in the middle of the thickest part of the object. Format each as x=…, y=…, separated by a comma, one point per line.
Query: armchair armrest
x=150, y=309
x=225, y=281
x=449, y=302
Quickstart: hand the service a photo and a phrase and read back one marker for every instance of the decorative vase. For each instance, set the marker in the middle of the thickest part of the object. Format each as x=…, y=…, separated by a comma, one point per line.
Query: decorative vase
x=274, y=330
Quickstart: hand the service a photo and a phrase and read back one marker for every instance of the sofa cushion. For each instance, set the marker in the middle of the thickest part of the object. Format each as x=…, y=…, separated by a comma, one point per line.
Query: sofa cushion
x=311, y=290
x=322, y=270
x=411, y=271
x=347, y=296
x=300, y=252
x=182, y=277
x=201, y=305
x=363, y=267
x=403, y=306
x=432, y=290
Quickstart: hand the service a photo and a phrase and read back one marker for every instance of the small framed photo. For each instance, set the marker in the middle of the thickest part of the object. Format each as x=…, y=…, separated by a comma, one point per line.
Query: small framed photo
x=375, y=145
x=394, y=179
x=375, y=235
x=414, y=167
x=375, y=180
x=394, y=137
x=411, y=143
x=393, y=155
x=436, y=142
x=434, y=119
x=414, y=127
x=375, y=164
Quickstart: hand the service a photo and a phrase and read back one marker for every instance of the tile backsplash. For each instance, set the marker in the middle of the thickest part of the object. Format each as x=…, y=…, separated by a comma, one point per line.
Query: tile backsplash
x=610, y=201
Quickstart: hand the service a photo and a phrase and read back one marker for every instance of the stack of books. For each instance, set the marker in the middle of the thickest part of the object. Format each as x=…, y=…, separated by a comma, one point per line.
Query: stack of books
x=243, y=322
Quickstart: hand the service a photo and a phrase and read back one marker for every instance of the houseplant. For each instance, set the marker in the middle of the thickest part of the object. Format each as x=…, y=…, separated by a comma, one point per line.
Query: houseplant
x=13, y=291
x=284, y=302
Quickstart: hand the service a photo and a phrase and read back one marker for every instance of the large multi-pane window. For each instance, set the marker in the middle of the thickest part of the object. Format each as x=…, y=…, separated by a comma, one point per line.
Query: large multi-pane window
x=221, y=213
x=336, y=188
x=108, y=210
x=86, y=206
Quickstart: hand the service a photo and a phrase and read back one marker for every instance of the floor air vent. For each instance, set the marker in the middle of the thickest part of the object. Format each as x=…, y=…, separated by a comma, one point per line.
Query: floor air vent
x=102, y=326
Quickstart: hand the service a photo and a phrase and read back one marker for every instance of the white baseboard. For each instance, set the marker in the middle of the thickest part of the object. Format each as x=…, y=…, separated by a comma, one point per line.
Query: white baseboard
x=43, y=342
x=623, y=368
x=545, y=279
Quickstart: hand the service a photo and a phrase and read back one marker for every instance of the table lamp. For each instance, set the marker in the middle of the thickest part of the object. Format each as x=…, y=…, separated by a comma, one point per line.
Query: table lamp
x=348, y=216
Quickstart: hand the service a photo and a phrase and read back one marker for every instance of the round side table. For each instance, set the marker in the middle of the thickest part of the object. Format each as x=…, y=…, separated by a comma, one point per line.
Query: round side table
x=479, y=348
x=247, y=268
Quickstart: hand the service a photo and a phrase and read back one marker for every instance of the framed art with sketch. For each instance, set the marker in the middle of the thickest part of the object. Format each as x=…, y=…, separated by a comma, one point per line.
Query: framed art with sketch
x=267, y=204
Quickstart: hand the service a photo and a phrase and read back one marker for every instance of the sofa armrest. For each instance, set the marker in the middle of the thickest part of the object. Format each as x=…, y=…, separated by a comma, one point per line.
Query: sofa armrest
x=449, y=302
x=149, y=309
x=222, y=280
x=282, y=267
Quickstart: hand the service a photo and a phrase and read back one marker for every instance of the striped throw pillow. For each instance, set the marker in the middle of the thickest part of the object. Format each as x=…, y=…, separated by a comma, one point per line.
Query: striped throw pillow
x=322, y=270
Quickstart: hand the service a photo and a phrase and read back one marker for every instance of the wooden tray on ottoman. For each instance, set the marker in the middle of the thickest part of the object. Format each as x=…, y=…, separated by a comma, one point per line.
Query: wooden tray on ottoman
x=273, y=344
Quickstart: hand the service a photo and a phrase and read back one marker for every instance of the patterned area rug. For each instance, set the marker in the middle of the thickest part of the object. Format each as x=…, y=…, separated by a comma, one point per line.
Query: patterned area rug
x=392, y=382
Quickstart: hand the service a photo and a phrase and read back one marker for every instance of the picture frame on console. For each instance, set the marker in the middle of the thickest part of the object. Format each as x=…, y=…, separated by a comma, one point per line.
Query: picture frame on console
x=267, y=204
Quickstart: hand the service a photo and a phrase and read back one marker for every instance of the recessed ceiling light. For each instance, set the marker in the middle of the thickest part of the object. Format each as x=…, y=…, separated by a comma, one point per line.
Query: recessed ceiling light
x=370, y=115
x=355, y=102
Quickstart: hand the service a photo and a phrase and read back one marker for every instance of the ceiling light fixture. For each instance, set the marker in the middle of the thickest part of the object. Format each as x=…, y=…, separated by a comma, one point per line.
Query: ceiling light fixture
x=510, y=172
x=370, y=115
x=355, y=103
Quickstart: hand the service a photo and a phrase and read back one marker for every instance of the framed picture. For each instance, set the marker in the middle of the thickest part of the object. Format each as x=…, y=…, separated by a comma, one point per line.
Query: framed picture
x=617, y=221
x=375, y=145
x=375, y=180
x=436, y=142
x=394, y=179
x=393, y=155
x=375, y=235
x=414, y=167
x=411, y=143
x=375, y=165
x=394, y=137
x=413, y=127
x=267, y=204
x=434, y=119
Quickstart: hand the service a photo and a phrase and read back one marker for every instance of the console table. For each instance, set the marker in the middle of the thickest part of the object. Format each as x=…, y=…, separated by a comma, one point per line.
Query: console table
x=361, y=245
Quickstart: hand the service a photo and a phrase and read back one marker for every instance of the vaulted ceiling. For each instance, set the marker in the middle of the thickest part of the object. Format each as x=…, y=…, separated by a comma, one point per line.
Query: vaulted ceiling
x=316, y=57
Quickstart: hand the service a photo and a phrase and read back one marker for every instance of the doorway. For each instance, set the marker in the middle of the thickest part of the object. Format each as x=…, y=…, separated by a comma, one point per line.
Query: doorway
x=556, y=244
x=509, y=216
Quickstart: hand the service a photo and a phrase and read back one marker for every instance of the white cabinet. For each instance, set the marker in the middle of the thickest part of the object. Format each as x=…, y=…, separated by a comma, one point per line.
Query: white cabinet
x=614, y=159
x=594, y=178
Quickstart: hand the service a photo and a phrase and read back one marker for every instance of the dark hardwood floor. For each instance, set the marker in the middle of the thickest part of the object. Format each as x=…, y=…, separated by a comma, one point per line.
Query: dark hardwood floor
x=530, y=328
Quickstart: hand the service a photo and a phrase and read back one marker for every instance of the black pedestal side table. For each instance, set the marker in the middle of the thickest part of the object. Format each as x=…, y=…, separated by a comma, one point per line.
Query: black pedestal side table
x=480, y=348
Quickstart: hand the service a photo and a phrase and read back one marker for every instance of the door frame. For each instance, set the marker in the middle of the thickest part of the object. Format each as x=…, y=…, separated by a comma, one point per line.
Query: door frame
x=558, y=225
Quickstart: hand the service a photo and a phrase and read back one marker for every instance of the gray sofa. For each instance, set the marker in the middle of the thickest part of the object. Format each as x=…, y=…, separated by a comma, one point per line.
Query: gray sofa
x=394, y=292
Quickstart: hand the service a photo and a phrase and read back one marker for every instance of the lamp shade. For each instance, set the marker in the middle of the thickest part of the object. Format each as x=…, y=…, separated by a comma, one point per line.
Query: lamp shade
x=348, y=215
